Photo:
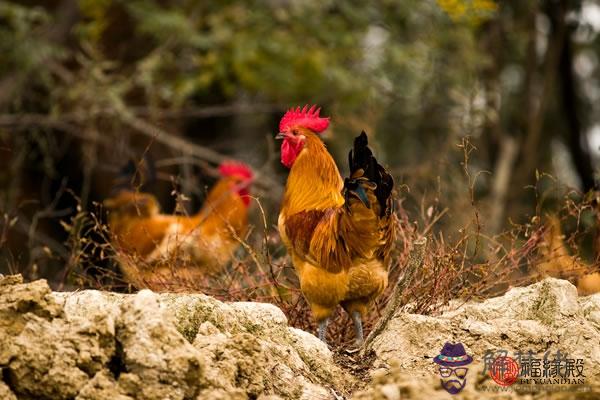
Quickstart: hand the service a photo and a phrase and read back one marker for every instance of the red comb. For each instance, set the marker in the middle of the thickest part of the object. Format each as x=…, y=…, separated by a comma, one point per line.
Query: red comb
x=306, y=118
x=231, y=168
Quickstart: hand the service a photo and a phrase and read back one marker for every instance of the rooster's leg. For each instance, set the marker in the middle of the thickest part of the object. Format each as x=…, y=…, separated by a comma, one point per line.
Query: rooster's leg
x=358, y=330
x=323, y=330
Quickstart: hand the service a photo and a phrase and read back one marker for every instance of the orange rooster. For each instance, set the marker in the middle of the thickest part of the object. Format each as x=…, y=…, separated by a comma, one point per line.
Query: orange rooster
x=169, y=252
x=338, y=232
x=558, y=263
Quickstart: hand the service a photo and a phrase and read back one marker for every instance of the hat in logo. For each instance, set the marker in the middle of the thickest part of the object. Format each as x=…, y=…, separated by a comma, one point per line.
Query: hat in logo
x=453, y=355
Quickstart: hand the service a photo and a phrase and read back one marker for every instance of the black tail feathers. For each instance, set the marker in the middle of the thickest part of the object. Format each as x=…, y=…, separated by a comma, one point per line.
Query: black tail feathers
x=361, y=158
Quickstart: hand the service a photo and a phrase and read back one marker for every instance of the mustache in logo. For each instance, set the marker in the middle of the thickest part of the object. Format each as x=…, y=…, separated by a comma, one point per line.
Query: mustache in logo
x=453, y=386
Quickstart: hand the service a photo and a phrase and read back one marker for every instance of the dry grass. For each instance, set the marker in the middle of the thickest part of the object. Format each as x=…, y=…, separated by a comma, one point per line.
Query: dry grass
x=472, y=266
x=463, y=263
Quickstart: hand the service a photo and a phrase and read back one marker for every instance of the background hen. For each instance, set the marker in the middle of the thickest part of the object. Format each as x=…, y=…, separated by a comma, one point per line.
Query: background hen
x=559, y=263
x=168, y=252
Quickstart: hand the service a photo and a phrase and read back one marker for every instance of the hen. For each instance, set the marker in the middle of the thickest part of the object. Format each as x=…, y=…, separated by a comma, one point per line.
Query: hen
x=168, y=252
x=557, y=262
x=339, y=232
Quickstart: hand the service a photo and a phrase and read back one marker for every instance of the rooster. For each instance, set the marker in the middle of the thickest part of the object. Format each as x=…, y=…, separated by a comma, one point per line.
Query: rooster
x=339, y=232
x=558, y=263
x=161, y=251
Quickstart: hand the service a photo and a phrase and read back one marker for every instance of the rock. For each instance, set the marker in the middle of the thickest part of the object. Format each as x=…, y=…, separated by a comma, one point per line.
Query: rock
x=19, y=300
x=396, y=383
x=240, y=342
x=86, y=303
x=269, y=397
x=546, y=316
x=6, y=393
x=240, y=360
x=56, y=359
x=191, y=310
x=98, y=345
x=93, y=345
x=41, y=353
x=102, y=387
x=158, y=363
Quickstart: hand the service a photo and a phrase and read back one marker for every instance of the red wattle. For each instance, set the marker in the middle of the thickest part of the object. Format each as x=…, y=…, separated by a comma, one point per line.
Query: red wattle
x=289, y=151
x=244, y=193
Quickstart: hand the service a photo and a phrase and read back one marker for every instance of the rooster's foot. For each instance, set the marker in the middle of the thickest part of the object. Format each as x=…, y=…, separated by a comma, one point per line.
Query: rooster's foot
x=358, y=330
x=323, y=330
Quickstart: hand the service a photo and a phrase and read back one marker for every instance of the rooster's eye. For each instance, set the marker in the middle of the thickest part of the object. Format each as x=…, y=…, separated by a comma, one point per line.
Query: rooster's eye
x=295, y=132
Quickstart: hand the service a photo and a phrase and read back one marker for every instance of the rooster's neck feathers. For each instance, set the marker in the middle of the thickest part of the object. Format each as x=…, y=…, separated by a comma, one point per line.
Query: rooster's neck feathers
x=314, y=182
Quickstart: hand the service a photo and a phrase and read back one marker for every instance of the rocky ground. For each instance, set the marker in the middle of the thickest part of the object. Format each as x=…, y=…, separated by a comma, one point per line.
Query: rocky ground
x=99, y=345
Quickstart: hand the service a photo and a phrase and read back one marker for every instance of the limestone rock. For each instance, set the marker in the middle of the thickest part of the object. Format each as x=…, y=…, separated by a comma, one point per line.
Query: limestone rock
x=97, y=345
x=158, y=362
x=546, y=316
x=102, y=387
x=6, y=393
x=41, y=353
x=398, y=384
x=94, y=345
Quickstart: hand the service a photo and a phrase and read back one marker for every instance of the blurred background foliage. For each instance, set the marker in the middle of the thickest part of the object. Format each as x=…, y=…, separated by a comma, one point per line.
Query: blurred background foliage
x=483, y=110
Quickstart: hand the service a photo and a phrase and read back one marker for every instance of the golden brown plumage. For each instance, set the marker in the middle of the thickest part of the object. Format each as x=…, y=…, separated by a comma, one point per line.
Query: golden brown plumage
x=339, y=233
x=168, y=252
x=557, y=262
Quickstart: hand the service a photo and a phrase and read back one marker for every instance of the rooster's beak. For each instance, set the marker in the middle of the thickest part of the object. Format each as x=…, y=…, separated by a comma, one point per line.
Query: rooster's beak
x=281, y=135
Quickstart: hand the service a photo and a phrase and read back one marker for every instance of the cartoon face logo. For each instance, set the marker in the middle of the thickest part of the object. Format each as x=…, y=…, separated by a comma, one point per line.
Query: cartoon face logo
x=452, y=360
